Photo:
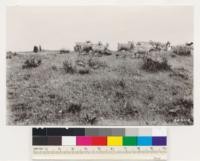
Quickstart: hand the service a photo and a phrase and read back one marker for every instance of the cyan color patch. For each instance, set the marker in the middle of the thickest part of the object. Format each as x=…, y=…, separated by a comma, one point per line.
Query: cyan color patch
x=144, y=141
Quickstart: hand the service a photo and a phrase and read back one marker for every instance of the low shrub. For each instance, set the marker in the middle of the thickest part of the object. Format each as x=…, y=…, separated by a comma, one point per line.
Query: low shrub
x=64, y=51
x=173, y=55
x=69, y=66
x=182, y=50
x=82, y=61
x=83, y=70
x=32, y=62
x=131, y=109
x=89, y=117
x=106, y=52
x=95, y=63
x=155, y=62
x=10, y=54
x=179, y=73
x=54, y=67
x=82, y=65
x=79, y=66
x=27, y=76
x=74, y=108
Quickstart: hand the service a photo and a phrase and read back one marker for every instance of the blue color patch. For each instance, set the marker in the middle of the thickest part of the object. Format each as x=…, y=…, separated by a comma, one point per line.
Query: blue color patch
x=159, y=141
x=144, y=141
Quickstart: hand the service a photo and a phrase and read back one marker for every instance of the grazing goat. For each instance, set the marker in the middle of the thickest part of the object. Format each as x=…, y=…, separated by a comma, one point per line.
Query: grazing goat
x=83, y=47
x=125, y=46
x=189, y=44
x=100, y=48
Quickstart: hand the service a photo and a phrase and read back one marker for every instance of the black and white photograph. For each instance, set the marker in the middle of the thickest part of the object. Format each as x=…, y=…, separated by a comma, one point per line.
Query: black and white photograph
x=100, y=65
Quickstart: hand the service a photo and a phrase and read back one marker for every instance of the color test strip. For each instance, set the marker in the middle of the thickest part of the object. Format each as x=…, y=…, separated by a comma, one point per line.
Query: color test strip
x=99, y=137
x=43, y=140
x=39, y=140
x=117, y=132
x=39, y=131
x=144, y=141
x=83, y=140
x=92, y=132
x=99, y=141
x=129, y=141
x=69, y=140
x=98, y=132
x=104, y=132
x=91, y=141
x=144, y=132
x=131, y=132
x=65, y=132
x=159, y=132
x=159, y=141
x=55, y=140
x=114, y=141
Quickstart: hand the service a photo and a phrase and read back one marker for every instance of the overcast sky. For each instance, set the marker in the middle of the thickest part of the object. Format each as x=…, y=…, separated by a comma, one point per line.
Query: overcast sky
x=61, y=27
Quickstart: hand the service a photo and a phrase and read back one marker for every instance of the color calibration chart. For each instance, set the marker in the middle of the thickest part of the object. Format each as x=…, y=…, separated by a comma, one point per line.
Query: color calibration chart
x=136, y=144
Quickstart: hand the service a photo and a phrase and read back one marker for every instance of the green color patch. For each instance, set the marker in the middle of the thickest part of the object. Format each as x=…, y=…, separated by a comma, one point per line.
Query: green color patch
x=129, y=141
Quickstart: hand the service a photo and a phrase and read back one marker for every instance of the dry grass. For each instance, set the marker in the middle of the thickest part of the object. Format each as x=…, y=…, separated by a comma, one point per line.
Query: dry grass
x=114, y=92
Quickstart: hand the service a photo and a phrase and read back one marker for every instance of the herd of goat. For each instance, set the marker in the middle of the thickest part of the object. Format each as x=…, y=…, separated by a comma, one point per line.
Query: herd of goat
x=139, y=48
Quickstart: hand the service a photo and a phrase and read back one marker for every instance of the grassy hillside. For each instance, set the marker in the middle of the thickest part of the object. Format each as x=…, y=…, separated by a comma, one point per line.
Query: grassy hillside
x=114, y=91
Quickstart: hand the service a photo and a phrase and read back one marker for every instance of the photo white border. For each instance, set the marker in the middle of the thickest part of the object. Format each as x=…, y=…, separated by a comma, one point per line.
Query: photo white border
x=182, y=140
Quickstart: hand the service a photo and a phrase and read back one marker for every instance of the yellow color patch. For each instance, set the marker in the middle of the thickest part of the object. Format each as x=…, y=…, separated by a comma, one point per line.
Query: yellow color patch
x=114, y=140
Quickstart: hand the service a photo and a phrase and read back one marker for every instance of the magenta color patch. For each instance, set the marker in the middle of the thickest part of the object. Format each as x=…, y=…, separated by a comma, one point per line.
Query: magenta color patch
x=83, y=140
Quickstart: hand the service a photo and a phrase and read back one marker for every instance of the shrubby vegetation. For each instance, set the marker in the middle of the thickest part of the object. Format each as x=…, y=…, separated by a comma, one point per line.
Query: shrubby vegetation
x=64, y=51
x=155, y=62
x=76, y=89
x=182, y=50
x=32, y=62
